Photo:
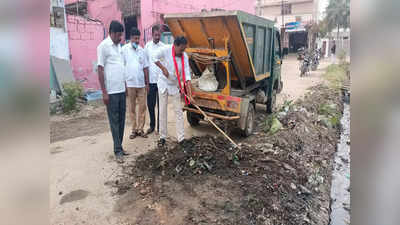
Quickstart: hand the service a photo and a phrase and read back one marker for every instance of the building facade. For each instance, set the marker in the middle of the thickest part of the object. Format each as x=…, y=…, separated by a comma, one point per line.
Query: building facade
x=294, y=16
x=87, y=23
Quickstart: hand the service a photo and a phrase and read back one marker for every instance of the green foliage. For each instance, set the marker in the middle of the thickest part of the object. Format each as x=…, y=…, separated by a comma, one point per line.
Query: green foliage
x=323, y=28
x=335, y=120
x=287, y=105
x=336, y=75
x=72, y=91
x=330, y=114
x=268, y=122
x=338, y=14
x=342, y=56
x=272, y=124
x=327, y=109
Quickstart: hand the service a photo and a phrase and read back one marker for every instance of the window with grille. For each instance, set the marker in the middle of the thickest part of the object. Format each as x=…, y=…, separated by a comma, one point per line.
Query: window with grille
x=57, y=17
x=78, y=8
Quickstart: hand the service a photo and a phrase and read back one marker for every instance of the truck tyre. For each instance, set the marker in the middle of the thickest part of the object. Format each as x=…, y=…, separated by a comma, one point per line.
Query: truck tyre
x=193, y=118
x=249, y=128
x=271, y=102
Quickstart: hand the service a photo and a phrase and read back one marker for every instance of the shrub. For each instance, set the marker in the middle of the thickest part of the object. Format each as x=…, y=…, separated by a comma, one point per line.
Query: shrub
x=72, y=92
x=336, y=75
x=342, y=56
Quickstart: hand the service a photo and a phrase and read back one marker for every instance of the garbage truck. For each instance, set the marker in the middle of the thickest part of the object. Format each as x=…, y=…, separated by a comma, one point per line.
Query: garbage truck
x=235, y=60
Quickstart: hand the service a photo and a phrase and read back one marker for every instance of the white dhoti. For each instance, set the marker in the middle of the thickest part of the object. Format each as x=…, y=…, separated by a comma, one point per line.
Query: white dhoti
x=177, y=105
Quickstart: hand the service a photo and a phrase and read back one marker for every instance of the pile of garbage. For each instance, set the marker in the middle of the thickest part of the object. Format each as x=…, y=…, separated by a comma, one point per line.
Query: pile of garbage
x=205, y=154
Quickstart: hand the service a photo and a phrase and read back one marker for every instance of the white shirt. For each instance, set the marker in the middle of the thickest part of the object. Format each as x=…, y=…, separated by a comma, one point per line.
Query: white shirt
x=109, y=56
x=154, y=71
x=135, y=60
x=164, y=55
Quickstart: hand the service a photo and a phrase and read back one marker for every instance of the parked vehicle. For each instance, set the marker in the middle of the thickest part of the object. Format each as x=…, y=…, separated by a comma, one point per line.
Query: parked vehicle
x=305, y=65
x=245, y=53
x=315, y=60
x=300, y=53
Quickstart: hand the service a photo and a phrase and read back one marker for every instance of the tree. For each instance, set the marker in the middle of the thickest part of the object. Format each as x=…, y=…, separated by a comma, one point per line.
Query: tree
x=316, y=30
x=338, y=14
x=323, y=29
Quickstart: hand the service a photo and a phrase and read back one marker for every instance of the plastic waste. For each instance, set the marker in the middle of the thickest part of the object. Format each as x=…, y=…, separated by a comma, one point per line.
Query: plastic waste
x=208, y=81
x=275, y=126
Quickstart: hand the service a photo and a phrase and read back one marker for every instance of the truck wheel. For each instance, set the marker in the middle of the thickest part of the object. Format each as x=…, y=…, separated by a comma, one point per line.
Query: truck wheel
x=271, y=102
x=249, y=121
x=193, y=118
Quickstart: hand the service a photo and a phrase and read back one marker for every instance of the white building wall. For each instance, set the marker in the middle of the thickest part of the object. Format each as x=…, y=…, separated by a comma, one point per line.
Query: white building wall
x=308, y=11
x=59, y=46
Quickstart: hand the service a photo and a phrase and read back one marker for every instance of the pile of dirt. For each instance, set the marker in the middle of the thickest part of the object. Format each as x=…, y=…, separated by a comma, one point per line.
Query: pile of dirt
x=282, y=178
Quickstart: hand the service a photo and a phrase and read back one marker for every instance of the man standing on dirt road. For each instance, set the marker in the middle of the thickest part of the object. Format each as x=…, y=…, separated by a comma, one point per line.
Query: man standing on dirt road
x=137, y=81
x=154, y=72
x=174, y=83
x=333, y=53
x=110, y=66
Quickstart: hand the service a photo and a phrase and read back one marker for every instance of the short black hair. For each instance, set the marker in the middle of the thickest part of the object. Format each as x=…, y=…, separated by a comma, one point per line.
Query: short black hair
x=155, y=28
x=180, y=40
x=135, y=32
x=116, y=27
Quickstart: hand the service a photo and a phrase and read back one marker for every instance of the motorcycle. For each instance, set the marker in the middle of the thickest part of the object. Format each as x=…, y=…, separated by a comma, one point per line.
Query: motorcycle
x=305, y=65
x=315, y=60
x=300, y=53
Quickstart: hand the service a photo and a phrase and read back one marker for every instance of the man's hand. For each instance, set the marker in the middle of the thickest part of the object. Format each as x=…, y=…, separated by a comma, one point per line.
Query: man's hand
x=147, y=88
x=191, y=99
x=165, y=72
x=106, y=98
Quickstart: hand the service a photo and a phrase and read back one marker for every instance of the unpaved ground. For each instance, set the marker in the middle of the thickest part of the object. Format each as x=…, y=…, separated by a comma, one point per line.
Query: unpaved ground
x=83, y=169
x=295, y=86
x=273, y=179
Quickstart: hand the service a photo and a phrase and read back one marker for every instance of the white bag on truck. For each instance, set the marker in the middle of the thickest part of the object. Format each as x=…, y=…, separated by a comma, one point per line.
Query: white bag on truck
x=208, y=81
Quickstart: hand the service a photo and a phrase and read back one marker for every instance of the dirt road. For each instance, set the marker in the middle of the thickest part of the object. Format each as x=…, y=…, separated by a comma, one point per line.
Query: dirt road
x=82, y=159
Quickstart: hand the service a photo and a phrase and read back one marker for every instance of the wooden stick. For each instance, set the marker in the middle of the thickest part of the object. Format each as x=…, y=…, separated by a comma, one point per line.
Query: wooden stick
x=215, y=125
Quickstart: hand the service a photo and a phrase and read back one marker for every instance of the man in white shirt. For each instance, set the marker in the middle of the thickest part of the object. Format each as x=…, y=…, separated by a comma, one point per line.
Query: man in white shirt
x=174, y=83
x=137, y=81
x=151, y=48
x=110, y=67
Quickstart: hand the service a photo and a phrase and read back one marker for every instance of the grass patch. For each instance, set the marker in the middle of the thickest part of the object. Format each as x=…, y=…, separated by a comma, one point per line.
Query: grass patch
x=335, y=74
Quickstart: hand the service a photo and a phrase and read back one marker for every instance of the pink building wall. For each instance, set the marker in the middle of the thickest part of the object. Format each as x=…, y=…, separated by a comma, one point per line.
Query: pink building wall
x=85, y=36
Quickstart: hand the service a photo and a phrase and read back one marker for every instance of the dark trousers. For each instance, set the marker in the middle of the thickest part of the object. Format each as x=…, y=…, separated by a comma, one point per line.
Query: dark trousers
x=152, y=97
x=116, y=109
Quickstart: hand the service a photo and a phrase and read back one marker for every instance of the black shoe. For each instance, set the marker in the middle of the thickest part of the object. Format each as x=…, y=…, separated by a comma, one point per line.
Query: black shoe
x=161, y=143
x=149, y=131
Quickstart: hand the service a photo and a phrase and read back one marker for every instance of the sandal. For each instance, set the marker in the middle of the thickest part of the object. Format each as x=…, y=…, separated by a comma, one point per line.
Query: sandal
x=142, y=134
x=133, y=135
